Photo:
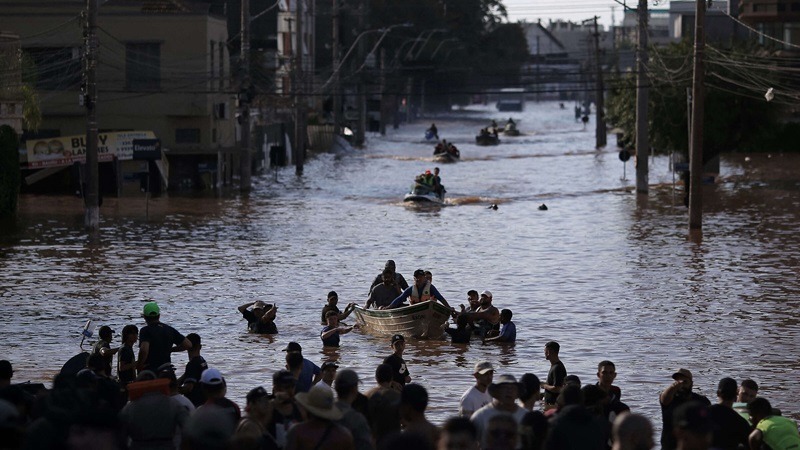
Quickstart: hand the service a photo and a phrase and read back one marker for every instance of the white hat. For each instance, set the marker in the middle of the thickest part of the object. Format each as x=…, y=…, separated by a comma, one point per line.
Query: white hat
x=487, y=293
x=212, y=377
x=483, y=367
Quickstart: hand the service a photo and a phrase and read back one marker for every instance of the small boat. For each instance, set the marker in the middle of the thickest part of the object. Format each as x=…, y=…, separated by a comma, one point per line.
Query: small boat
x=487, y=139
x=423, y=194
x=421, y=320
x=445, y=157
x=511, y=132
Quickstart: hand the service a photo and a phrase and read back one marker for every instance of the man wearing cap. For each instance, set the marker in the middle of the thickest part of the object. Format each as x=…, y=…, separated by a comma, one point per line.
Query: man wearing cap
x=400, y=372
x=778, y=432
x=320, y=431
x=329, y=372
x=382, y=294
x=158, y=340
x=399, y=280
x=678, y=393
x=420, y=291
x=103, y=347
x=477, y=396
x=333, y=299
x=261, y=319
x=730, y=430
x=251, y=432
x=504, y=392
x=308, y=374
x=346, y=385
x=487, y=316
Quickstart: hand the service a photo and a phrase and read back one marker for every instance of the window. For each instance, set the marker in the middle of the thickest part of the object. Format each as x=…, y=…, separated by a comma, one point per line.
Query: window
x=143, y=66
x=187, y=136
x=54, y=68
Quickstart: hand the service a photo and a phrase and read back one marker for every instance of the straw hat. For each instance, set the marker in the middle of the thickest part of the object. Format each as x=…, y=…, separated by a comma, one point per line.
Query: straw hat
x=319, y=402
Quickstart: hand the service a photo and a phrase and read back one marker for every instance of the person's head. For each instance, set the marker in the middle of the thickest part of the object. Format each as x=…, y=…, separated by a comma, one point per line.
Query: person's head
x=551, y=350
x=259, y=308
x=472, y=298
x=504, y=390
x=759, y=408
x=483, y=373
x=429, y=276
x=632, y=432
x=594, y=398
x=486, y=298
x=213, y=383
x=461, y=322
x=130, y=334
x=106, y=333
x=458, y=433
x=383, y=374
x=258, y=405
x=390, y=266
x=329, y=372
x=419, y=277
x=529, y=388
x=692, y=426
x=333, y=298
x=151, y=312
x=167, y=371
x=606, y=373
x=501, y=432
x=571, y=394
x=319, y=403
x=96, y=363
x=748, y=391
x=398, y=343
x=388, y=277
x=346, y=383
x=195, y=340
x=505, y=316
x=726, y=390
x=436, y=171
x=413, y=400
x=293, y=347
x=684, y=377
x=6, y=371
x=332, y=318
x=572, y=379
x=294, y=361
x=283, y=381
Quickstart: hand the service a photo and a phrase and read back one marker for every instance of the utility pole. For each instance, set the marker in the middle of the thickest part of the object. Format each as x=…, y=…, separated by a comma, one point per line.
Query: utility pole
x=337, y=88
x=244, y=100
x=91, y=192
x=696, y=150
x=383, y=93
x=299, y=120
x=642, y=95
x=600, y=130
x=538, y=63
x=360, y=87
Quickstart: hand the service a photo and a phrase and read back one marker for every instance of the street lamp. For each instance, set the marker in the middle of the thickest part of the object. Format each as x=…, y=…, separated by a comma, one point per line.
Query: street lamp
x=430, y=34
x=440, y=46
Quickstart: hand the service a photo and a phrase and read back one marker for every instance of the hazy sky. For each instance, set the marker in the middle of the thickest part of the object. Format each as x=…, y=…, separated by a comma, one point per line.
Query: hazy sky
x=574, y=10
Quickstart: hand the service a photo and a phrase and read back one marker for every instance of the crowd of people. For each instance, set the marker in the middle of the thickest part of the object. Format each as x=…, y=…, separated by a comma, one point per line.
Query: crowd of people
x=145, y=404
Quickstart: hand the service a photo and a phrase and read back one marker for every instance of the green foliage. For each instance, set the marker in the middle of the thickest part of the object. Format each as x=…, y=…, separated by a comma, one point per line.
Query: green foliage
x=9, y=171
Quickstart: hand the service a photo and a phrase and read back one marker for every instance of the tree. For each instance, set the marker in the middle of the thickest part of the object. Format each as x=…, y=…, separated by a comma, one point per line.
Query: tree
x=9, y=171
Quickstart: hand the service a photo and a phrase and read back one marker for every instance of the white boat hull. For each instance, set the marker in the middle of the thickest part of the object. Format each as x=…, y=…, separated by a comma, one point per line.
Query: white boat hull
x=423, y=320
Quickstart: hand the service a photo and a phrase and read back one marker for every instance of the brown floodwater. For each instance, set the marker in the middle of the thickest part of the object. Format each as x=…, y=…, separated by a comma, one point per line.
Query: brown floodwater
x=606, y=273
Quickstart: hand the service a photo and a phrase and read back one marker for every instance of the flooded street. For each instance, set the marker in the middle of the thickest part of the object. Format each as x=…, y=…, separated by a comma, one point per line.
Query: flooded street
x=605, y=274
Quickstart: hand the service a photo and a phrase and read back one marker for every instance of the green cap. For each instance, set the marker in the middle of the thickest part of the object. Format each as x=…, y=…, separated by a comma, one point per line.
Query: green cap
x=151, y=309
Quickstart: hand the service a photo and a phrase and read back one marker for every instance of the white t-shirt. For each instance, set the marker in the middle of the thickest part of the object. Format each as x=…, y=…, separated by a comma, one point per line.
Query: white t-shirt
x=482, y=417
x=473, y=400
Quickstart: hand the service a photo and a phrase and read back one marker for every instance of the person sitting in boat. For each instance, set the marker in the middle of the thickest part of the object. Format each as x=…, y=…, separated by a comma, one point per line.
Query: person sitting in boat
x=382, y=294
x=261, y=319
x=399, y=280
x=511, y=125
x=438, y=187
x=484, y=132
x=333, y=299
x=420, y=291
x=434, y=131
x=493, y=128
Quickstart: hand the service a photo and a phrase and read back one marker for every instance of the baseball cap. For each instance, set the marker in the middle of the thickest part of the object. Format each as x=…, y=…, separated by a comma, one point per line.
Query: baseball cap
x=487, y=293
x=327, y=364
x=346, y=378
x=419, y=273
x=256, y=394
x=692, y=416
x=398, y=337
x=105, y=329
x=151, y=309
x=283, y=378
x=293, y=347
x=682, y=373
x=483, y=367
x=212, y=377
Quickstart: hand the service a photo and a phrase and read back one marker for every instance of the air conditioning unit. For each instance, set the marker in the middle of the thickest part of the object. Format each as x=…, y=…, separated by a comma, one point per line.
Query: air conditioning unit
x=221, y=111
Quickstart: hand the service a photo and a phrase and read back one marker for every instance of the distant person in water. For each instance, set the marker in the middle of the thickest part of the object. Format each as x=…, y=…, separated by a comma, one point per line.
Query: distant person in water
x=434, y=131
x=261, y=318
x=330, y=334
x=420, y=291
x=508, y=331
x=333, y=299
x=399, y=279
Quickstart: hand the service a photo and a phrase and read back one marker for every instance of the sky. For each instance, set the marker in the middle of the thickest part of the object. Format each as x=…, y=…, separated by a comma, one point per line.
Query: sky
x=574, y=10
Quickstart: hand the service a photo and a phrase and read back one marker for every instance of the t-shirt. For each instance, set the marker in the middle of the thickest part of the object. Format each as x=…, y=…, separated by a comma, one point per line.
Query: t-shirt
x=126, y=356
x=729, y=428
x=473, y=400
x=280, y=424
x=779, y=432
x=399, y=369
x=161, y=338
x=459, y=336
x=107, y=360
x=482, y=417
x=398, y=280
x=555, y=377
x=194, y=370
x=668, y=441
x=382, y=295
x=255, y=324
x=509, y=332
x=325, y=312
x=332, y=340
x=306, y=377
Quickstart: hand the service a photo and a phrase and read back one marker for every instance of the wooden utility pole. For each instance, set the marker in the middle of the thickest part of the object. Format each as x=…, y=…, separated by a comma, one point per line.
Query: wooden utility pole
x=600, y=130
x=244, y=100
x=91, y=192
x=299, y=119
x=696, y=150
x=337, y=88
x=642, y=94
